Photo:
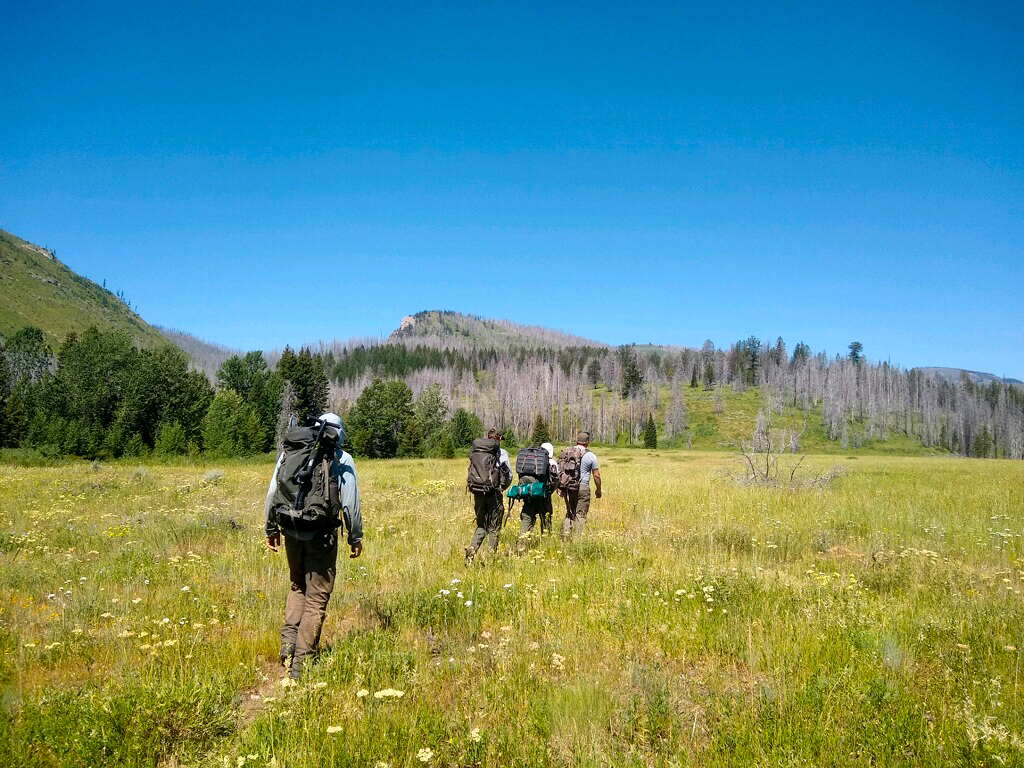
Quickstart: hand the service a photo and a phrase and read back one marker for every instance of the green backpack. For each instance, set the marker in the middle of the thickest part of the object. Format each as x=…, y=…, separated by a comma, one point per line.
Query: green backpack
x=306, y=498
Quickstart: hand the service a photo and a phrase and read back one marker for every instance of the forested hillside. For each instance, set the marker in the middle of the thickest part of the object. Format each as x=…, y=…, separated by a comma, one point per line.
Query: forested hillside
x=705, y=397
x=442, y=329
x=205, y=356
x=37, y=290
x=435, y=384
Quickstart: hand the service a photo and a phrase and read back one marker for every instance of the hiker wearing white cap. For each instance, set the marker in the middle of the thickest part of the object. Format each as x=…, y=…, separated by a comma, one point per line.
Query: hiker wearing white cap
x=313, y=493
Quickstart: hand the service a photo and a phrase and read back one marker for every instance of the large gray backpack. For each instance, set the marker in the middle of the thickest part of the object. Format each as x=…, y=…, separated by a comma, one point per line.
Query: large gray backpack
x=484, y=471
x=306, y=498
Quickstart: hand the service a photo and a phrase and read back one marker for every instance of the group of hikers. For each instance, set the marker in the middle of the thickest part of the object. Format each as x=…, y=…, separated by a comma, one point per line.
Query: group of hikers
x=540, y=477
x=314, y=494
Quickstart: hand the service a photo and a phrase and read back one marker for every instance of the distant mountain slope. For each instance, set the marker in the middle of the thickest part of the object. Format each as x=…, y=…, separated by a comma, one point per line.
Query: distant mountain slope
x=36, y=289
x=953, y=375
x=453, y=329
x=205, y=356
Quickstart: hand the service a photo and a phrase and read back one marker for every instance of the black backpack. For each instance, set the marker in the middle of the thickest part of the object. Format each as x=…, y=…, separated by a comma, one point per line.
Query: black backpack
x=306, y=497
x=533, y=461
x=484, y=471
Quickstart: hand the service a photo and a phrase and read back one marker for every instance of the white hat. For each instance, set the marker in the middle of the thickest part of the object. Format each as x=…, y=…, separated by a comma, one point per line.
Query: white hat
x=549, y=448
x=336, y=429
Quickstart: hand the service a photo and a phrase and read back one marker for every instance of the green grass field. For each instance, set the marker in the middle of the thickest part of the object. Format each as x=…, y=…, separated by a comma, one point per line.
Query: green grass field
x=879, y=621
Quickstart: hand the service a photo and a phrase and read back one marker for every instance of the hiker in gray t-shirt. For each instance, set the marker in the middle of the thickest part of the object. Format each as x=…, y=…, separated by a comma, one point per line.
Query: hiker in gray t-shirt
x=577, y=503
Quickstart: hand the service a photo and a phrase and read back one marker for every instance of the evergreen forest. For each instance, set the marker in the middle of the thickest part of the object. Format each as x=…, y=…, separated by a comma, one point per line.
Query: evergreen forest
x=429, y=390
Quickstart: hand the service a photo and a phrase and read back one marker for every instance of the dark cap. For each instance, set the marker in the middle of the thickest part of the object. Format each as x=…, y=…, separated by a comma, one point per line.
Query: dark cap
x=583, y=437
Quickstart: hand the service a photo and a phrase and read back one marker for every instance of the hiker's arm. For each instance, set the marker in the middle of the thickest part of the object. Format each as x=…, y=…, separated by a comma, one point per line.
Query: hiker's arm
x=271, y=529
x=597, y=482
x=505, y=467
x=348, y=493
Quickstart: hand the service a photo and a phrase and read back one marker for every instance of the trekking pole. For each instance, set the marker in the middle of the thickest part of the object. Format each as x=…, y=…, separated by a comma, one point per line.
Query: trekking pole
x=303, y=476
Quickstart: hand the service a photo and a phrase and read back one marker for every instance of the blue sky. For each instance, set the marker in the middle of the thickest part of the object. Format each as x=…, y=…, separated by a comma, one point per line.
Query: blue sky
x=648, y=172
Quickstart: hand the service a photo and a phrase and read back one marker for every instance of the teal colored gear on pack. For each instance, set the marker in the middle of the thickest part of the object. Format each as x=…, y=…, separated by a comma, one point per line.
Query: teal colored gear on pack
x=526, y=490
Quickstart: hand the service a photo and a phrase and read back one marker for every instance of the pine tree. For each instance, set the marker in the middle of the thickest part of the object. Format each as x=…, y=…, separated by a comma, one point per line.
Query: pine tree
x=540, y=433
x=632, y=379
x=856, y=351
x=379, y=418
x=305, y=372
x=431, y=411
x=650, y=433
x=464, y=428
x=709, y=375
x=410, y=442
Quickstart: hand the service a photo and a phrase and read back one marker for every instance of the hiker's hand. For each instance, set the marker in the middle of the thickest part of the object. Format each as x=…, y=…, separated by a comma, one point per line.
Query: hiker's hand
x=597, y=493
x=274, y=542
x=357, y=550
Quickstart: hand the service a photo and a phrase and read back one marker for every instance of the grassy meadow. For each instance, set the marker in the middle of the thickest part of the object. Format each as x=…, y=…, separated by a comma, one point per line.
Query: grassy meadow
x=878, y=621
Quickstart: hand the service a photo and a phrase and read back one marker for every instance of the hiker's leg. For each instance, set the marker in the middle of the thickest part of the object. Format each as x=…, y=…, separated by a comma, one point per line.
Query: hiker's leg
x=321, y=568
x=495, y=514
x=527, y=518
x=570, y=513
x=480, y=510
x=296, y=601
x=582, y=509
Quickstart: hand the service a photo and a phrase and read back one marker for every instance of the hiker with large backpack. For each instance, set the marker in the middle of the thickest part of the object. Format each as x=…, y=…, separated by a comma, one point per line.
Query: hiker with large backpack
x=489, y=475
x=538, y=478
x=576, y=467
x=313, y=493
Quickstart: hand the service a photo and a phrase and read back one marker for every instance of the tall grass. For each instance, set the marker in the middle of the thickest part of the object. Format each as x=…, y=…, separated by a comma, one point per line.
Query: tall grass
x=700, y=622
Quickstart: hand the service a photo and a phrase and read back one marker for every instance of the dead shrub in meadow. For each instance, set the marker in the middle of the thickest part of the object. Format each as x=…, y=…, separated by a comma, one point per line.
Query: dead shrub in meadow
x=770, y=460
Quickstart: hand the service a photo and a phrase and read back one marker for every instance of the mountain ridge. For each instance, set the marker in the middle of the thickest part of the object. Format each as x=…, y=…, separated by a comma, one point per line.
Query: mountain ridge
x=440, y=328
x=440, y=325
x=37, y=289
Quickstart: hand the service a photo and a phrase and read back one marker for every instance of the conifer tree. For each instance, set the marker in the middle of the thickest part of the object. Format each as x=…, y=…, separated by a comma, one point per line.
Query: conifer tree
x=540, y=433
x=378, y=419
x=650, y=433
x=464, y=428
x=632, y=378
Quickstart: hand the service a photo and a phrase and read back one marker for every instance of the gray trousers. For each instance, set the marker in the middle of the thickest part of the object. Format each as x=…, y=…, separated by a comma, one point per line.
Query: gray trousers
x=489, y=512
x=535, y=510
x=312, y=566
x=577, y=505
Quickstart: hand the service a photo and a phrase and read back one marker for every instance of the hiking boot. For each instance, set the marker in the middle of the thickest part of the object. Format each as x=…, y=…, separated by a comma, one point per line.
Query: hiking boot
x=287, y=651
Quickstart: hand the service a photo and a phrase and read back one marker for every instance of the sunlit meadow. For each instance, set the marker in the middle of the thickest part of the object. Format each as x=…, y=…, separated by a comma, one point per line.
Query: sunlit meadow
x=879, y=620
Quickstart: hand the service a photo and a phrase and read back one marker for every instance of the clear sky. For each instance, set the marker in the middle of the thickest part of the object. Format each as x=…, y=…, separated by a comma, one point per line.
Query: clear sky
x=261, y=174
